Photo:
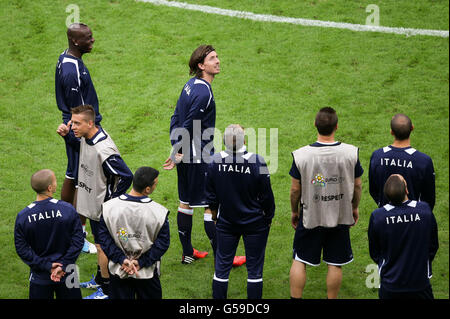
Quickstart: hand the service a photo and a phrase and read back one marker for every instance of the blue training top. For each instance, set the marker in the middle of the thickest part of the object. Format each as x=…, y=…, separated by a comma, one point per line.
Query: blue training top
x=238, y=184
x=45, y=232
x=403, y=241
x=196, y=103
x=74, y=87
x=415, y=167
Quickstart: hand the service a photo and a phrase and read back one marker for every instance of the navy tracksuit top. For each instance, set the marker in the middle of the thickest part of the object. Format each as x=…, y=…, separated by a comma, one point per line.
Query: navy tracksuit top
x=45, y=232
x=403, y=241
x=238, y=184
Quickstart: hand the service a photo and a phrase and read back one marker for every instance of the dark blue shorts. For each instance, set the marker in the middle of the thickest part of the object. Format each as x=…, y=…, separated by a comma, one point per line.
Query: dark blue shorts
x=94, y=228
x=72, y=160
x=191, y=183
x=334, y=242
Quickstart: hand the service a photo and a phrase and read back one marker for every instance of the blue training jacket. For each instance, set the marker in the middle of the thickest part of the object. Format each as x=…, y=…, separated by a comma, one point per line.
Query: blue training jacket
x=238, y=184
x=45, y=232
x=74, y=87
x=403, y=241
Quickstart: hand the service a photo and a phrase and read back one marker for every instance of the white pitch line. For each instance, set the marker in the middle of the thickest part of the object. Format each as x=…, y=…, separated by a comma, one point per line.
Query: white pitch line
x=299, y=21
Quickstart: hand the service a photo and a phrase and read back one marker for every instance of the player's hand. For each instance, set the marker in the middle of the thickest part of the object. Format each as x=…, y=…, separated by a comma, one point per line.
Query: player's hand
x=56, y=272
x=131, y=267
x=355, y=213
x=294, y=219
x=170, y=164
x=63, y=129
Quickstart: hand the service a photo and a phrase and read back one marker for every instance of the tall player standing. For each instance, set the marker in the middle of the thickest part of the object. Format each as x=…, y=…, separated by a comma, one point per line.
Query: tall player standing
x=74, y=87
x=192, y=135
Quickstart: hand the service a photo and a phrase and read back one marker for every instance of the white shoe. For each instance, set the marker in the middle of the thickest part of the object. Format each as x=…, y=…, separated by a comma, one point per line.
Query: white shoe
x=89, y=248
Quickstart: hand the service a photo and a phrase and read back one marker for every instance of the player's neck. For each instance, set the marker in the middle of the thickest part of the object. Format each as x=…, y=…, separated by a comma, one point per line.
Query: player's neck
x=92, y=132
x=74, y=52
x=40, y=197
x=136, y=194
x=325, y=138
x=208, y=77
x=401, y=144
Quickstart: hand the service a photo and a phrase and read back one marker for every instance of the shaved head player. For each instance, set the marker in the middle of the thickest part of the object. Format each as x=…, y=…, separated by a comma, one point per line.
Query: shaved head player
x=74, y=87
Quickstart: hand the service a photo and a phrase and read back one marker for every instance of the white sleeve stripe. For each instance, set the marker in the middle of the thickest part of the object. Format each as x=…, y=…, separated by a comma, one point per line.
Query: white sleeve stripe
x=112, y=169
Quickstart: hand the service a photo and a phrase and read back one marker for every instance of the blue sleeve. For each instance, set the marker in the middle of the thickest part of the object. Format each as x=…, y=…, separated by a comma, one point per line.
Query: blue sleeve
x=373, y=181
x=114, y=166
x=374, y=246
x=76, y=244
x=294, y=172
x=173, y=125
x=434, y=240
x=265, y=193
x=158, y=248
x=26, y=253
x=210, y=190
x=358, y=168
x=114, y=253
x=72, y=140
x=428, y=187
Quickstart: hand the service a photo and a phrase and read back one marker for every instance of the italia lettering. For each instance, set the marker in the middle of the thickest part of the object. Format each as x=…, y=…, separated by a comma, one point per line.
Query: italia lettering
x=396, y=162
x=44, y=215
x=402, y=219
x=234, y=168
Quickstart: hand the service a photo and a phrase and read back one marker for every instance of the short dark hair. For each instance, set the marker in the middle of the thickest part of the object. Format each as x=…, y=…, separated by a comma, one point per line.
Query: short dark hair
x=326, y=121
x=198, y=56
x=87, y=110
x=395, y=190
x=41, y=179
x=401, y=126
x=143, y=177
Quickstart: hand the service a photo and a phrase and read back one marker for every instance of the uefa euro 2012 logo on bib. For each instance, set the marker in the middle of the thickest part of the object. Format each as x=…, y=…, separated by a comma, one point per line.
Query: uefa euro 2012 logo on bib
x=318, y=180
x=123, y=234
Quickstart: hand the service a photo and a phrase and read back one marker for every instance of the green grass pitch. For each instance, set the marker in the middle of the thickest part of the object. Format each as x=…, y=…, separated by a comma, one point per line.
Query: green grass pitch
x=273, y=75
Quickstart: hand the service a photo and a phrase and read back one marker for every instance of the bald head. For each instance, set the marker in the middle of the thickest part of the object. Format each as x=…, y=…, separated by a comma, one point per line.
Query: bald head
x=401, y=126
x=80, y=39
x=41, y=180
x=76, y=30
x=395, y=189
x=234, y=137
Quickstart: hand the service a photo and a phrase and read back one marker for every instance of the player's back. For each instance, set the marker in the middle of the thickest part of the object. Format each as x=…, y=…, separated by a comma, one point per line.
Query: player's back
x=47, y=226
x=241, y=186
x=415, y=167
x=405, y=239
